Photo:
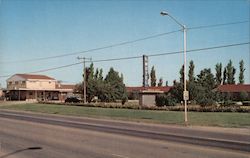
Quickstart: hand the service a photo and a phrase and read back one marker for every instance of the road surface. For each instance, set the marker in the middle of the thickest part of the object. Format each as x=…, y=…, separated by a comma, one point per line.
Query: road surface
x=29, y=135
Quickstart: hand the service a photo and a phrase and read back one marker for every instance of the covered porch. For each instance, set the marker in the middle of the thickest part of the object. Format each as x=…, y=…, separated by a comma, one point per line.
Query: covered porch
x=35, y=95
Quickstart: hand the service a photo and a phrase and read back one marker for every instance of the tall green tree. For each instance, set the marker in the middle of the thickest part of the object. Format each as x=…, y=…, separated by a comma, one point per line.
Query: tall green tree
x=181, y=74
x=177, y=91
x=112, y=76
x=206, y=79
x=160, y=83
x=100, y=76
x=191, y=71
x=122, y=77
x=96, y=74
x=90, y=82
x=113, y=80
x=218, y=75
x=241, y=75
x=91, y=72
x=153, y=77
x=204, y=89
x=166, y=83
x=230, y=73
x=225, y=76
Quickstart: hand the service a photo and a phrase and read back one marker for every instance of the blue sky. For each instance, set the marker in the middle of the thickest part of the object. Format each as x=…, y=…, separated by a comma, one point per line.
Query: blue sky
x=34, y=28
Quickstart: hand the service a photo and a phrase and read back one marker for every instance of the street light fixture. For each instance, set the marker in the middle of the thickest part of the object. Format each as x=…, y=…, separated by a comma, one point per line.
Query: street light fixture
x=185, y=92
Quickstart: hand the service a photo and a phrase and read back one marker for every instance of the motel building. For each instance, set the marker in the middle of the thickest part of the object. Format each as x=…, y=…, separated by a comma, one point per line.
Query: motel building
x=33, y=87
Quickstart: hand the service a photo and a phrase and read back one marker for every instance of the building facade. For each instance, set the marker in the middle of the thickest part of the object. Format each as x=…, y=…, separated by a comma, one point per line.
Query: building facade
x=147, y=98
x=36, y=87
x=134, y=92
x=146, y=95
x=235, y=91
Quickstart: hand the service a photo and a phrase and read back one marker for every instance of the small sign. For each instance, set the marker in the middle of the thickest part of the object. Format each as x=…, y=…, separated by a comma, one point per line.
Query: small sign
x=185, y=95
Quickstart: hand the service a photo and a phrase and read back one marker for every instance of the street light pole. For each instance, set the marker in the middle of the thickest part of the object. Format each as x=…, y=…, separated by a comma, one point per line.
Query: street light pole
x=185, y=92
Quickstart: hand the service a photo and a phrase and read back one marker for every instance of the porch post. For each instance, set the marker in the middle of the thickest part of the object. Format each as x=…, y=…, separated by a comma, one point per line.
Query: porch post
x=19, y=94
x=36, y=95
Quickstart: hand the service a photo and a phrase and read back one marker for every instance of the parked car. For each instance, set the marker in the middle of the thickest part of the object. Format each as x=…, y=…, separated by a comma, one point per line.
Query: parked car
x=72, y=100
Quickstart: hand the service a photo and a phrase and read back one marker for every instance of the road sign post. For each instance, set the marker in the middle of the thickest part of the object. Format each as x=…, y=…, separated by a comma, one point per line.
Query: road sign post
x=185, y=95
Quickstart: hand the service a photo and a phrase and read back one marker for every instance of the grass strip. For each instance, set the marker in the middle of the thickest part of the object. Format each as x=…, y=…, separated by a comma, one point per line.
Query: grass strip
x=222, y=119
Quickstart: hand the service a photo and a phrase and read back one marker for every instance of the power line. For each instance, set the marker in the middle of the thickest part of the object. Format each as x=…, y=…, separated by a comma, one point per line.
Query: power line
x=172, y=53
x=200, y=49
x=45, y=70
x=123, y=43
x=95, y=49
x=140, y=56
x=217, y=25
x=115, y=59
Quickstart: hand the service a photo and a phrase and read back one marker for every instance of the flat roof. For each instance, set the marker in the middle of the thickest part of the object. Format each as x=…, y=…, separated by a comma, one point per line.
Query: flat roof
x=151, y=92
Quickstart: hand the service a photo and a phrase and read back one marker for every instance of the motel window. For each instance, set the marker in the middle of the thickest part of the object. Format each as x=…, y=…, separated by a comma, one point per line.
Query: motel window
x=16, y=82
x=23, y=82
x=10, y=83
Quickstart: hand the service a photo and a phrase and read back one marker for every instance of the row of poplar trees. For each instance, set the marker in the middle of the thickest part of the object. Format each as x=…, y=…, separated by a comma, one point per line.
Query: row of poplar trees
x=225, y=77
x=202, y=87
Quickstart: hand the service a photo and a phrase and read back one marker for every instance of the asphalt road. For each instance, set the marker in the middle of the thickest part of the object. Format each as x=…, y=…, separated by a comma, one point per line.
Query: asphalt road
x=28, y=135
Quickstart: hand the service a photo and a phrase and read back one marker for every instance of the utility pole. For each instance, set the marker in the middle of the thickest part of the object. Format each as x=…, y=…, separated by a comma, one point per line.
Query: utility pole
x=84, y=76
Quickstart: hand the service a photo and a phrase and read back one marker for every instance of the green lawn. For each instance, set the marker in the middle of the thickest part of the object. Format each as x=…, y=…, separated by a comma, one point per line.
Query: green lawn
x=167, y=117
